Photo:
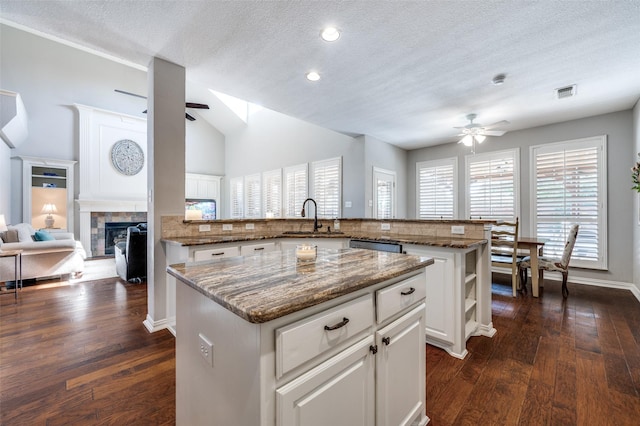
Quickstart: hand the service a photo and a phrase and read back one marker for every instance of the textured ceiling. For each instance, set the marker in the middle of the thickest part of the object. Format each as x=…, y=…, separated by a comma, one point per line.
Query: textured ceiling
x=402, y=72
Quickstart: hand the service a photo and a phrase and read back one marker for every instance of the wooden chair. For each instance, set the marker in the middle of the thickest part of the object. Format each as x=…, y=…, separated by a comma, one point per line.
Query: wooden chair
x=504, y=250
x=559, y=265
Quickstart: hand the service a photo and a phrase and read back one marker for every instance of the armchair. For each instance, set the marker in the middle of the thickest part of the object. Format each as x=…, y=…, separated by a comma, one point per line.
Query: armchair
x=131, y=255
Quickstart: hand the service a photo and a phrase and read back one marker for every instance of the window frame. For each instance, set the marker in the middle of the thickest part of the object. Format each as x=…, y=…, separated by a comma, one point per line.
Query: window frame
x=313, y=187
x=600, y=143
x=287, y=203
x=513, y=153
x=435, y=164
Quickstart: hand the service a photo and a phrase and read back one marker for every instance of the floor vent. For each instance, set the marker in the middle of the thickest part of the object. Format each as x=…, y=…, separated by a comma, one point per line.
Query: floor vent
x=566, y=92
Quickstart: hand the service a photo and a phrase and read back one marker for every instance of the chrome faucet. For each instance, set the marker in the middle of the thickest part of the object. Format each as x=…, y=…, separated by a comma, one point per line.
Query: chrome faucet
x=315, y=219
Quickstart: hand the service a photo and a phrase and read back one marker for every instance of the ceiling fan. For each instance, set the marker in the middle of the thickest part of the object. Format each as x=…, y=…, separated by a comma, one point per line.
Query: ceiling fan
x=475, y=132
x=187, y=104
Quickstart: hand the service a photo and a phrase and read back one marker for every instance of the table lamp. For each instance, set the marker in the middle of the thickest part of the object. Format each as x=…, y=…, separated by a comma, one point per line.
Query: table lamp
x=49, y=208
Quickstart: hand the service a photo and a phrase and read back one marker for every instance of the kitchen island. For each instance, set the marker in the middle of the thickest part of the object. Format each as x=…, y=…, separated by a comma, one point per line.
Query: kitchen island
x=266, y=339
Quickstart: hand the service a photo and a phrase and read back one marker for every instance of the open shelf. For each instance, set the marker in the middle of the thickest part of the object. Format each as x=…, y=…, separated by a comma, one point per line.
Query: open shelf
x=469, y=304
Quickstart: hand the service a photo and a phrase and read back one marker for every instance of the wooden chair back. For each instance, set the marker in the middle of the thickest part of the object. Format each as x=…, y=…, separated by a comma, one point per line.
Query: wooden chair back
x=504, y=249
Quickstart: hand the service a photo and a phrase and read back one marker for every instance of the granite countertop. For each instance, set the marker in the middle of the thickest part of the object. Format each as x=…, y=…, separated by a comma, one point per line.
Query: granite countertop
x=264, y=287
x=461, y=243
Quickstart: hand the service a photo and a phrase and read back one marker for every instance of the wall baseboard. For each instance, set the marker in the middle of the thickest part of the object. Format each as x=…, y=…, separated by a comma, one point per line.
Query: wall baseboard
x=153, y=326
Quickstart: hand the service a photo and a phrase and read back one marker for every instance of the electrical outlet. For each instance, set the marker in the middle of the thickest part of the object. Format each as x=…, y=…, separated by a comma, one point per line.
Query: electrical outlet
x=204, y=228
x=457, y=229
x=227, y=227
x=206, y=349
x=385, y=226
x=249, y=226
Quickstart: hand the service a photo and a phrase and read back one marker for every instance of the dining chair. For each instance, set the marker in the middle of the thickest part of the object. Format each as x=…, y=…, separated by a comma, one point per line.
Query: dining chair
x=504, y=250
x=552, y=264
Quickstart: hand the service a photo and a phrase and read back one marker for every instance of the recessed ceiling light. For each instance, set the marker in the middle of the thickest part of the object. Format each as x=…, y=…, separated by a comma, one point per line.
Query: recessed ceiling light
x=330, y=34
x=313, y=76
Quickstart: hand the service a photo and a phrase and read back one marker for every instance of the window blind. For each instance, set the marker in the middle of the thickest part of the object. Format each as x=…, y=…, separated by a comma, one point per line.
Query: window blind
x=272, y=193
x=252, y=196
x=236, y=199
x=295, y=189
x=326, y=186
x=384, y=189
x=437, y=189
x=570, y=188
x=492, y=185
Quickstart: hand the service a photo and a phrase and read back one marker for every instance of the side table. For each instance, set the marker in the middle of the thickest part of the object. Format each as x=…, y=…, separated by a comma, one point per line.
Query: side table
x=17, y=268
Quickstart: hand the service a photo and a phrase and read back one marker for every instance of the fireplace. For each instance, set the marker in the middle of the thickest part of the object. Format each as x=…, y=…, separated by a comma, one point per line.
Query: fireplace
x=115, y=232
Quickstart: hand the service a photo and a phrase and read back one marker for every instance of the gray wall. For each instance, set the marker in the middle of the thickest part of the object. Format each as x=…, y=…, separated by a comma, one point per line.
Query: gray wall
x=51, y=77
x=5, y=181
x=635, y=200
x=617, y=126
x=385, y=156
x=272, y=140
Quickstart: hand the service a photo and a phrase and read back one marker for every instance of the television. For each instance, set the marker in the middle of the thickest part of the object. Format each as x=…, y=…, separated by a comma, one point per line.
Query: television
x=199, y=209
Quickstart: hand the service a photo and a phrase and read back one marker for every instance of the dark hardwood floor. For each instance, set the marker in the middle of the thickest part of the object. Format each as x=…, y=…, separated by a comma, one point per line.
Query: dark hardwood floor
x=79, y=355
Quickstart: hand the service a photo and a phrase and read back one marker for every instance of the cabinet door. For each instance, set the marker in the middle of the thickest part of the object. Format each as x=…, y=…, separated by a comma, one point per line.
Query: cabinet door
x=337, y=392
x=401, y=370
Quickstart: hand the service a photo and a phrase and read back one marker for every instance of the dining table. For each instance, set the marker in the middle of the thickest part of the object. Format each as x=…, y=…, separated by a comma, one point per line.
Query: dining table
x=535, y=248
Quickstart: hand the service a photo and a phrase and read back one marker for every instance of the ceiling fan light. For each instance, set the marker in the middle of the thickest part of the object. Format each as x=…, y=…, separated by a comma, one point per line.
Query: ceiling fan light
x=480, y=138
x=313, y=76
x=330, y=34
x=467, y=140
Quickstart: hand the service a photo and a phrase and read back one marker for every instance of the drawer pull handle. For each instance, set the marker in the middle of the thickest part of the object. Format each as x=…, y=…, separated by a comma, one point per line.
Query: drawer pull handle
x=217, y=254
x=342, y=323
x=406, y=293
x=258, y=248
x=386, y=340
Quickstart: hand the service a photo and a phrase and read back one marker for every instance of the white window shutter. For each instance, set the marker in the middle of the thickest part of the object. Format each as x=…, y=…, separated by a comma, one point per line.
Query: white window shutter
x=437, y=188
x=326, y=187
x=272, y=193
x=236, y=197
x=252, y=196
x=295, y=189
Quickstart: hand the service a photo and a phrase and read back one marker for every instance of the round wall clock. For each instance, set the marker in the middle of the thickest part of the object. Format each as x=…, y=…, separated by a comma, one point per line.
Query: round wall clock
x=127, y=157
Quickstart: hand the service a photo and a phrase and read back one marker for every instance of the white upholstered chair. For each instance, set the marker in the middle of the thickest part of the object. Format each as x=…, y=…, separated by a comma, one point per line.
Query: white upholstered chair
x=559, y=265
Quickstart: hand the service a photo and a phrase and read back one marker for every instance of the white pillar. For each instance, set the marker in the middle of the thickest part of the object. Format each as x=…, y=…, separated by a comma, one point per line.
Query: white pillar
x=166, y=173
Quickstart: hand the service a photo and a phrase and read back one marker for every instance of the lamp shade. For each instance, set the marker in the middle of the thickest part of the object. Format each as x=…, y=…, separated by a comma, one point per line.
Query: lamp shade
x=3, y=223
x=49, y=208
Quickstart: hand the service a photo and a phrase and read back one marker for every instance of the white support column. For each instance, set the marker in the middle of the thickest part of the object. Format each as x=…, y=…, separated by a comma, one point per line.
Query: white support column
x=166, y=174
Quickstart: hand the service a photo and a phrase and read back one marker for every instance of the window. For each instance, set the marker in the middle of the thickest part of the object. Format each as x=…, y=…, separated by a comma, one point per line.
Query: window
x=272, y=193
x=295, y=189
x=492, y=182
x=326, y=185
x=569, y=186
x=252, y=197
x=384, y=193
x=437, y=189
x=237, y=203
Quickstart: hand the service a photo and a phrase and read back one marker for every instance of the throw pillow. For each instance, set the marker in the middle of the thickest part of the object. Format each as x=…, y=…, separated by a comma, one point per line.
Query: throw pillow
x=25, y=231
x=9, y=236
x=43, y=236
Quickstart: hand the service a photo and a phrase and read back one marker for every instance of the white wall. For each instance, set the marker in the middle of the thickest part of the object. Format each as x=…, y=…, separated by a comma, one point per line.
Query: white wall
x=51, y=77
x=389, y=157
x=5, y=181
x=635, y=201
x=272, y=140
x=617, y=126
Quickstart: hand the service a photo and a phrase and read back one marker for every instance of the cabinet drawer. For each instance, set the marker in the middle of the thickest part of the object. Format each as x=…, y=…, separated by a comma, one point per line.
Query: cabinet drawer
x=308, y=338
x=251, y=249
x=215, y=253
x=393, y=299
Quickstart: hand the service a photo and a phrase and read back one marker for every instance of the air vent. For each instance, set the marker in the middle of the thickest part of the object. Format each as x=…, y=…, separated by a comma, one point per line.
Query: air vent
x=566, y=92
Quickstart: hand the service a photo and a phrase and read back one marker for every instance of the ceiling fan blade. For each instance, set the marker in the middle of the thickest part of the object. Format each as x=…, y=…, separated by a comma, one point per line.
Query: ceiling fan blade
x=493, y=132
x=189, y=116
x=129, y=93
x=197, y=106
x=498, y=124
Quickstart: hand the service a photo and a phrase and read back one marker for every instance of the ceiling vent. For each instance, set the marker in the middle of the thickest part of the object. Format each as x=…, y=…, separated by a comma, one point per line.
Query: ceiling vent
x=566, y=92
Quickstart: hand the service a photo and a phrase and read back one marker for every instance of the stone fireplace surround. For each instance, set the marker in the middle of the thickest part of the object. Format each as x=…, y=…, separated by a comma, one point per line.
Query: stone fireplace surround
x=98, y=225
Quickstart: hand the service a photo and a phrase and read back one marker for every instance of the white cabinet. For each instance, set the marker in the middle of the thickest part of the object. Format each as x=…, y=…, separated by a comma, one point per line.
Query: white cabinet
x=249, y=249
x=339, y=391
x=454, y=297
x=215, y=253
x=199, y=186
x=400, y=367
